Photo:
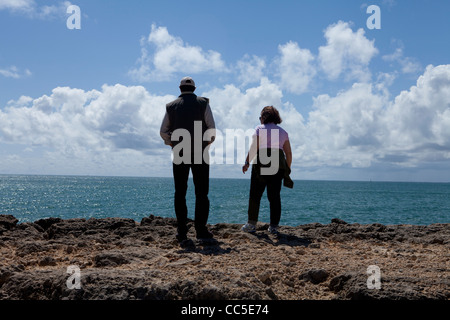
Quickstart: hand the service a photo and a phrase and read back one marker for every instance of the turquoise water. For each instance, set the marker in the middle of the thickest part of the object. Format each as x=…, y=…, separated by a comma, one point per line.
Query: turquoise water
x=30, y=198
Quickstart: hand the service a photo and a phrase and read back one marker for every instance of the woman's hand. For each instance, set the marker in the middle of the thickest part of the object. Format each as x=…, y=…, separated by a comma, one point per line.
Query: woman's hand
x=245, y=167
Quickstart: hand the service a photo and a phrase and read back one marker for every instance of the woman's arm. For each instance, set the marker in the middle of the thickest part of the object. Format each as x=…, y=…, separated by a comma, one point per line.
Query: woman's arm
x=251, y=153
x=288, y=152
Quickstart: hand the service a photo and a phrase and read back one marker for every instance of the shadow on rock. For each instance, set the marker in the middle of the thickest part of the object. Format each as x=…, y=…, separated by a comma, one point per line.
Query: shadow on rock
x=283, y=239
x=207, y=247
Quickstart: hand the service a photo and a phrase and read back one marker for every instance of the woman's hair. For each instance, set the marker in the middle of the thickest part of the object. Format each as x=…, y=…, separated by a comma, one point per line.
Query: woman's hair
x=270, y=115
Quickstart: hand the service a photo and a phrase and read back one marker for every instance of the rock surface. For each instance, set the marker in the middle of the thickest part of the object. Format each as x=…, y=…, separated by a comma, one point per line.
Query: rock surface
x=122, y=259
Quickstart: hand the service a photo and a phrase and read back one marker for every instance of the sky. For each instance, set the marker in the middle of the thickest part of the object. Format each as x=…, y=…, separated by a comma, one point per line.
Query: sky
x=364, y=94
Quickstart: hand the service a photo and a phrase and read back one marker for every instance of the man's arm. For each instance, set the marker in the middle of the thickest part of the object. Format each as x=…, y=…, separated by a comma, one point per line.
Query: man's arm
x=210, y=124
x=165, y=130
x=209, y=118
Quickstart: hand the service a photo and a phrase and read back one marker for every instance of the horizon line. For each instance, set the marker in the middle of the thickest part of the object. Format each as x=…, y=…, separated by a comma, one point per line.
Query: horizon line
x=222, y=178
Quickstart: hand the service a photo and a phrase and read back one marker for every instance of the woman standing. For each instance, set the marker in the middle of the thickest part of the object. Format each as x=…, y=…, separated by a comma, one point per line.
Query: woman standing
x=273, y=141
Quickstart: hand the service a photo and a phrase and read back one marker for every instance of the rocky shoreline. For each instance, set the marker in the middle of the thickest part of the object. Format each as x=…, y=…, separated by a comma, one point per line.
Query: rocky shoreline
x=121, y=259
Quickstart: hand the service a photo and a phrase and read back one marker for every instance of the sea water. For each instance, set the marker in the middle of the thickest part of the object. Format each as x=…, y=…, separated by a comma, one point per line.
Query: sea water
x=30, y=197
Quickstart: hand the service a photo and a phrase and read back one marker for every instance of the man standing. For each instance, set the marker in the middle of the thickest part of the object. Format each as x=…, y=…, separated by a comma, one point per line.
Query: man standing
x=183, y=119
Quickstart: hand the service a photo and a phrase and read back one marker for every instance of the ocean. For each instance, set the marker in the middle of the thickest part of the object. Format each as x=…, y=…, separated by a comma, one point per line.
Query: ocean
x=33, y=197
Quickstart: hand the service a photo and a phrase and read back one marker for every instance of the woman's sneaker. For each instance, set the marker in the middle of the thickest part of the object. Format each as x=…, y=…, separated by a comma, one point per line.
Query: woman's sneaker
x=248, y=227
x=273, y=229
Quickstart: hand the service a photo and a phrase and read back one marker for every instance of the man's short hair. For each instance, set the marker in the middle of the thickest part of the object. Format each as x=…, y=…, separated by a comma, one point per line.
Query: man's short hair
x=187, y=88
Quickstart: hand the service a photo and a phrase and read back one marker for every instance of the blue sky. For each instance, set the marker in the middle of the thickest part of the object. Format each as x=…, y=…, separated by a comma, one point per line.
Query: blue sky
x=358, y=104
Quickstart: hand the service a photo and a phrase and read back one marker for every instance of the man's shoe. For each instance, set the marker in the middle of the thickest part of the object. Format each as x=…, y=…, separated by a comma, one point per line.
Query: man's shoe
x=182, y=231
x=205, y=234
x=181, y=237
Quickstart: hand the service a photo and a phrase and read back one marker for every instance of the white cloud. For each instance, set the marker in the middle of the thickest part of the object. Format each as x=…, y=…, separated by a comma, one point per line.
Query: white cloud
x=236, y=109
x=17, y=5
x=31, y=9
x=71, y=120
x=14, y=72
x=418, y=119
x=22, y=101
x=345, y=129
x=119, y=123
x=58, y=10
x=251, y=69
x=87, y=132
x=407, y=64
x=117, y=127
x=295, y=67
x=171, y=56
x=346, y=52
x=361, y=126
